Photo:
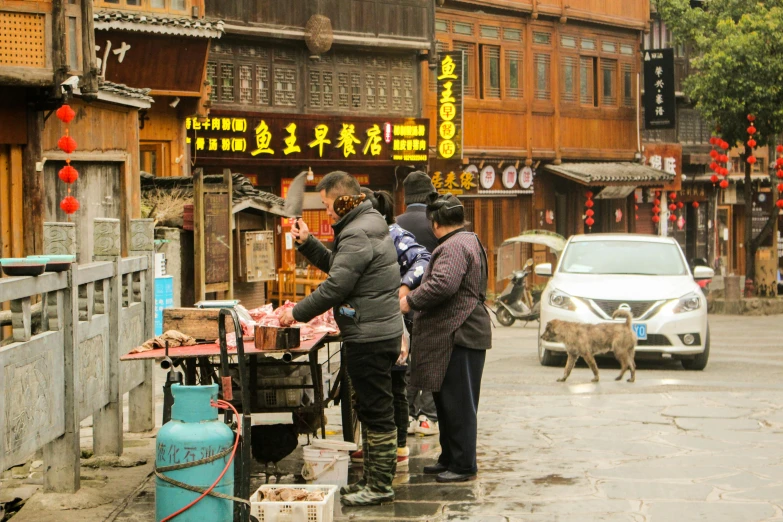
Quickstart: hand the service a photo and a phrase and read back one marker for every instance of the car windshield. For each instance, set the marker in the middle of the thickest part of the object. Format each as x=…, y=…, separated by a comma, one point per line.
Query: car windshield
x=623, y=257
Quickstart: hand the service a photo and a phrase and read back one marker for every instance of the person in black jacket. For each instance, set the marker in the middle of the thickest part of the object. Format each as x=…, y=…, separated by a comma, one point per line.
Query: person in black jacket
x=363, y=289
x=422, y=414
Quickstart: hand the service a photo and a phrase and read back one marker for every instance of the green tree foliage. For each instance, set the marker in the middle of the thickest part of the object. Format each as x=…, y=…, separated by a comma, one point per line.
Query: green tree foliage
x=737, y=70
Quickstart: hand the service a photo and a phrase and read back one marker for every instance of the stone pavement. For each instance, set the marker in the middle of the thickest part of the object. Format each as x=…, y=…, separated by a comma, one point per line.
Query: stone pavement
x=674, y=446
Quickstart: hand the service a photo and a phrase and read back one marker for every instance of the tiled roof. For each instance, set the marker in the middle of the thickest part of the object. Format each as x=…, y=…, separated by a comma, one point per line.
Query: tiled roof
x=123, y=90
x=148, y=23
x=618, y=172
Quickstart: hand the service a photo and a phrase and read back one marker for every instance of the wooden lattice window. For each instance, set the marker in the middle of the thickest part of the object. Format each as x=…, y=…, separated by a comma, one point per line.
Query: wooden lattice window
x=514, y=69
x=543, y=76
x=470, y=64
x=22, y=40
x=587, y=81
x=370, y=90
x=628, y=85
x=396, y=82
x=407, y=93
x=245, y=84
x=285, y=86
x=383, y=92
x=569, y=80
x=442, y=48
x=342, y=90
x=262, y=84
x=609, y=82
x=212, y=80
x=227, y=82
x=490, y=74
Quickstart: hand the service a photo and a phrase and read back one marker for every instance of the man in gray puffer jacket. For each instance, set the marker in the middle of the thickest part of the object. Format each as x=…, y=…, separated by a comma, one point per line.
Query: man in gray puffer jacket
x=362, y=288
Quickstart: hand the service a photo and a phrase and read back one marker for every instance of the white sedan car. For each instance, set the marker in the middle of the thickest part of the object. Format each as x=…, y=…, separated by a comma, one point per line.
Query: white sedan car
x=648, y=275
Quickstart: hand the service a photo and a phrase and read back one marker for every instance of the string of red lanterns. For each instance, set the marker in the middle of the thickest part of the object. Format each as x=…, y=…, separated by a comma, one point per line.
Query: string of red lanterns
x=589, y=213
x=779, y=174
x=672, y=207
x=67, y=174
x=656, y=208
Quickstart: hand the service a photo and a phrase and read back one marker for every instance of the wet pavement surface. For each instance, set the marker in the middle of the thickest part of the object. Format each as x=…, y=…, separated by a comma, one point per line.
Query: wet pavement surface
x=674, y=446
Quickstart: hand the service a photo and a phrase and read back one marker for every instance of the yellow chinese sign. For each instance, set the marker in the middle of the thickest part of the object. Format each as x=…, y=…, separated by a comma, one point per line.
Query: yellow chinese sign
x=309, y=138
x=450, y=78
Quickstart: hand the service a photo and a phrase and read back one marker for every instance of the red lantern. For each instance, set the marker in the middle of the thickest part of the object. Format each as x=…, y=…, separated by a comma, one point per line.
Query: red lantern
x=657, y=193
x=780, y=187
x=779, y=149
x=780, y=203
x=779, y=174
x=65, y=114
x=589, y=212
x=751, y=159
x=588, y=194
x=752, y=143
x=672, y=195
x=637, y=217
x=672, y=207
x=656, y=202
x=695, y=204
x=751, y=130
x=751, y=117
x=724, y=184
x=714, y=179
x=724, y=145
x=656, y=219
x=68, y=174
x=672, y=217
x=713, y=140
x=69, y=205
x=680, y=204
x=724, y=172
x=589, y=203
x=656, y=210
x=714, y=154
x=67, y=144
x=714, y=166
x=636, y=207
x=724, y=158
x=589, y=222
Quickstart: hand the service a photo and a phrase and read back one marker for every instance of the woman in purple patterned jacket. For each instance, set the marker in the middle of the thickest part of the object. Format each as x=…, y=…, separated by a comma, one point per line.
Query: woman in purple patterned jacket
x=452, y=333
x=413, y=260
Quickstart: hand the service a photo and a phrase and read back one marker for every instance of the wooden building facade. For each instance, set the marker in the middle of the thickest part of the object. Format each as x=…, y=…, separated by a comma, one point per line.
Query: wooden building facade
x=320, y=86
x=546, y=84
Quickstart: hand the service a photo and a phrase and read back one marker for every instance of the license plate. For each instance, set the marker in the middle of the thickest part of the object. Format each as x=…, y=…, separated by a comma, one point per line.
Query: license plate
x=641, y=331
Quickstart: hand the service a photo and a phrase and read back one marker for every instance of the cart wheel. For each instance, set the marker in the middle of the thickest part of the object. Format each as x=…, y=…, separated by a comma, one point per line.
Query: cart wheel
x=351, y=425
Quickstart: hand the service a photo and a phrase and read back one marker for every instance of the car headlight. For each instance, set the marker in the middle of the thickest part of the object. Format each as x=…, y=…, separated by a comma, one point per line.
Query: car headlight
x=560, y=299
x=688, y=303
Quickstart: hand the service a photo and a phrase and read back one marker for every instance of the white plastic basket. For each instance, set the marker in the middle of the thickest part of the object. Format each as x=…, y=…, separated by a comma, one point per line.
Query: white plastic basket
x=322, y=511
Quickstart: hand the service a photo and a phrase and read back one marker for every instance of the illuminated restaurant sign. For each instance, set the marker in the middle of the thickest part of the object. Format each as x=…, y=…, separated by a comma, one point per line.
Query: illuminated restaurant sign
x=308, y=138
x=450, y=79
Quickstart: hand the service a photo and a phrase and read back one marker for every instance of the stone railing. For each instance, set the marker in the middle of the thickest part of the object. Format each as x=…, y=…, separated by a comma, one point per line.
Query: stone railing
x=52, y=379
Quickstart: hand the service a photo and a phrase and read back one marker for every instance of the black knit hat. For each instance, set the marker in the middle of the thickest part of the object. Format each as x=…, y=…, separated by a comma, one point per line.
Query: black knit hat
x=417, y=186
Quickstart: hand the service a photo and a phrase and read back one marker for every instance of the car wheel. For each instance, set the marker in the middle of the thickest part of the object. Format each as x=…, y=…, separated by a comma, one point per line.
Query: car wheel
x=699, y=362
x=504, y=316
x=546, y=357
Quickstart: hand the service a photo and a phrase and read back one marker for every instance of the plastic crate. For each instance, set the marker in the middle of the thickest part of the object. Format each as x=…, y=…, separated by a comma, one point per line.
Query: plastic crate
x=282, y=398
x=322, y=511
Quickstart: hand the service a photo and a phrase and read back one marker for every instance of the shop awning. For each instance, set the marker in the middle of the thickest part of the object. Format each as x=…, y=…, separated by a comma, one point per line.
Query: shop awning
x=617, y=173
x=154, y=24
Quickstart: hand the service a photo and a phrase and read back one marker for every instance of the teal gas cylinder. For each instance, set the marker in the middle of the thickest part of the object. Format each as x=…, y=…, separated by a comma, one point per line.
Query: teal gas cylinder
x=194, y=433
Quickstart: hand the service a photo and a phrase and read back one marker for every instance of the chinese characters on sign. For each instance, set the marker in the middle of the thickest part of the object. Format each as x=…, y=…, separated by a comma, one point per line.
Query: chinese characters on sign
x=450, y=78
x=298, y=138
x=659, y=96
x=666, y=157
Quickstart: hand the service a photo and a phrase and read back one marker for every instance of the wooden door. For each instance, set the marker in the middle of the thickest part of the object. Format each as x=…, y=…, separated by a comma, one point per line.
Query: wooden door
x=98, y=192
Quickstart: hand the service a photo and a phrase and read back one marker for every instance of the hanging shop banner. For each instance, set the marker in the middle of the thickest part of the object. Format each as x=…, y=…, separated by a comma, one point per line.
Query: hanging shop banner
x=659, y=100
x=470, y=181
x=668, y=158
x=277, y=137
x=450, y=81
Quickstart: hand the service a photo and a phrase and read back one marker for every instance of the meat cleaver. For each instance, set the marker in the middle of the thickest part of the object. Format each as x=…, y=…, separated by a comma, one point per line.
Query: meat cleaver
x=294, y=199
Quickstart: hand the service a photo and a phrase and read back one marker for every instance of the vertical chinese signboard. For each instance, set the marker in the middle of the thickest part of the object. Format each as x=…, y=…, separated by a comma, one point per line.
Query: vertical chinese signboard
x=450, y=82
x=659, y=101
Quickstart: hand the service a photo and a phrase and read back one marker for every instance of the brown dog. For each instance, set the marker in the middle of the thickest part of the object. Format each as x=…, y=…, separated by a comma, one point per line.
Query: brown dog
x=588, y=340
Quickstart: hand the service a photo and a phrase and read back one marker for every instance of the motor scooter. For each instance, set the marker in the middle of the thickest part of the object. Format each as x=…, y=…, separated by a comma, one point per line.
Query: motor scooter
x=516, y=301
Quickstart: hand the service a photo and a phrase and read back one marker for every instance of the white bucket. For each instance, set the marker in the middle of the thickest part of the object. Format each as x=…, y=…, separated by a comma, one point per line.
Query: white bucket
x=323, y=466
